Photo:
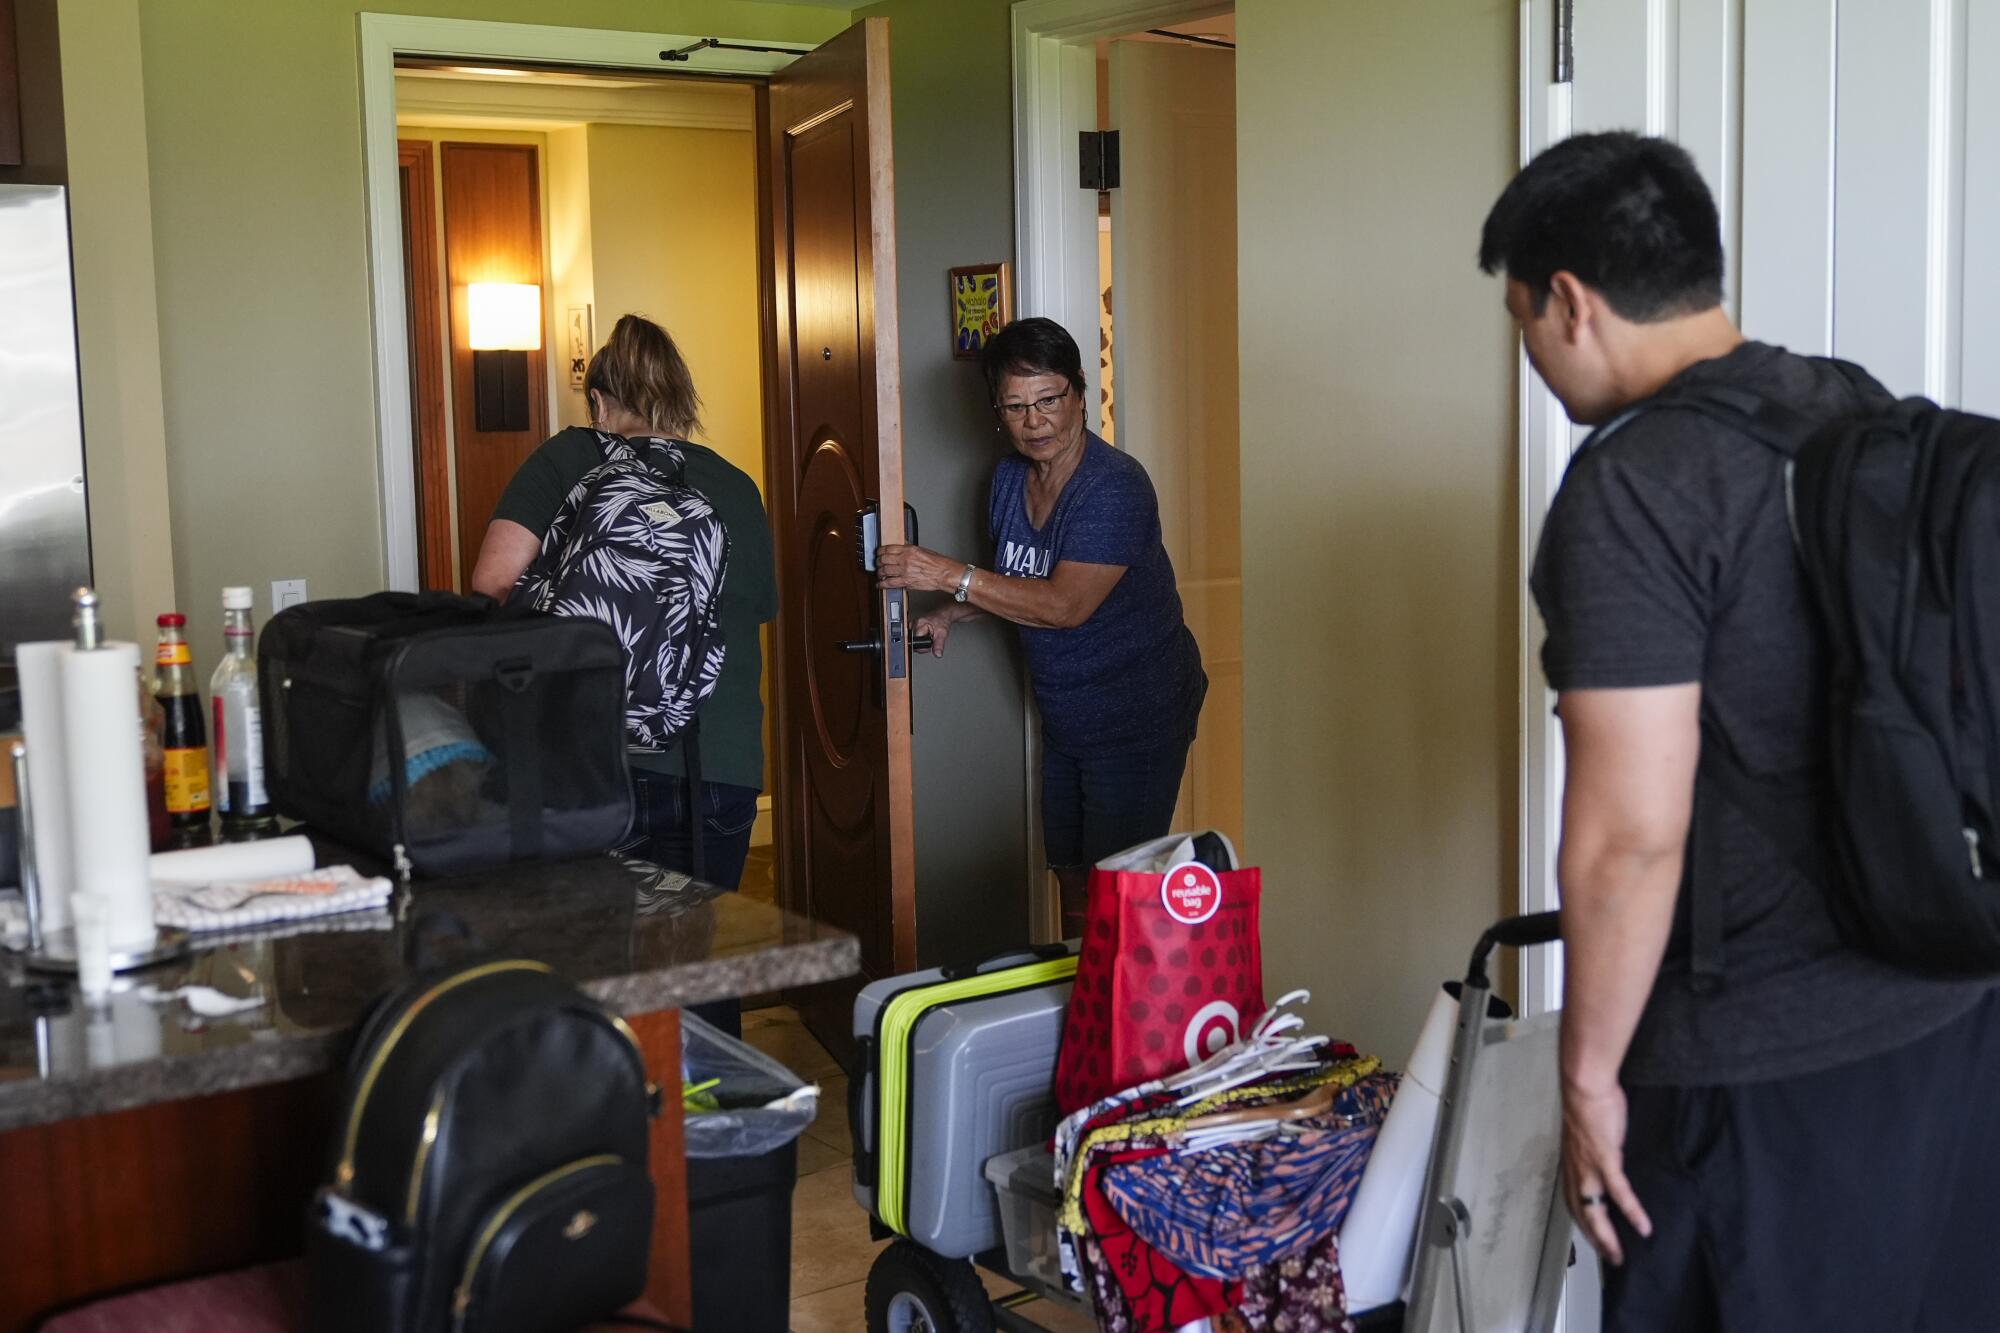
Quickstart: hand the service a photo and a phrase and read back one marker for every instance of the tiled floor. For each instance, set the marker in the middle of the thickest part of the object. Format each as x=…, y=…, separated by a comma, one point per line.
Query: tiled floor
x=831, y=1251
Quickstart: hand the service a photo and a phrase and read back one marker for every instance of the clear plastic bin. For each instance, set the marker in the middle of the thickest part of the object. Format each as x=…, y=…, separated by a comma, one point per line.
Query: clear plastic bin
x=1024, y=1180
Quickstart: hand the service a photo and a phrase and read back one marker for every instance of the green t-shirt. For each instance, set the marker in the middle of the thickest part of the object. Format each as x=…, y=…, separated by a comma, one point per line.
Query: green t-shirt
x=732, y=721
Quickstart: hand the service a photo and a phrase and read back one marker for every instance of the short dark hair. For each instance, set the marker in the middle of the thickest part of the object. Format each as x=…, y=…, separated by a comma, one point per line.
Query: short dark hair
x=1628, y=215
x=1034, y=346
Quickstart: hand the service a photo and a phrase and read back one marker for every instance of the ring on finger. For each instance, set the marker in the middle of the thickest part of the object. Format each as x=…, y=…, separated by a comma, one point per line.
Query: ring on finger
x=1593, y=1200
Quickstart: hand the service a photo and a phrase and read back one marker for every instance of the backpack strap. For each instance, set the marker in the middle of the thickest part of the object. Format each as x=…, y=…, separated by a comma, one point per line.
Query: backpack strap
x=662, y=454
x=1721, y=776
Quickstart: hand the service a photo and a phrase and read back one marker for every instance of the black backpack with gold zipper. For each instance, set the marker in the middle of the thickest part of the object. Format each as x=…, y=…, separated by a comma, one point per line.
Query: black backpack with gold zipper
x=490, y=1161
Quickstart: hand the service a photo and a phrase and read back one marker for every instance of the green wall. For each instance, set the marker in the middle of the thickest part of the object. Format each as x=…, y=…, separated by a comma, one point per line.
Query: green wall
x=1380, y=572
x=952, y=85
x=253, y=121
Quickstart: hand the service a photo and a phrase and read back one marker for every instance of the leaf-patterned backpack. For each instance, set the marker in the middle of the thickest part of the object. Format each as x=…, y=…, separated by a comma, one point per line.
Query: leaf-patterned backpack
x=635, y=546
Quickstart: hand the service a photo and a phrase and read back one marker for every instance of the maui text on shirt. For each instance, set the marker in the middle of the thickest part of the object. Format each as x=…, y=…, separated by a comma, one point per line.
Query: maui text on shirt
x=1026, y=561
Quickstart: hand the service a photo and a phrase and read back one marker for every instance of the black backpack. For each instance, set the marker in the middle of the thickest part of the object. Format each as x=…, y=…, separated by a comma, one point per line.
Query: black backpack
x=1896, y=515
x=637, y=548
x=490, y=1162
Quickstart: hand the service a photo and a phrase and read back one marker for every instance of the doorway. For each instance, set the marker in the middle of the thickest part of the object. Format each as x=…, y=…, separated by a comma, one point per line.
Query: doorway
x=1145, y=269
x=571, y=182
x=828, y=383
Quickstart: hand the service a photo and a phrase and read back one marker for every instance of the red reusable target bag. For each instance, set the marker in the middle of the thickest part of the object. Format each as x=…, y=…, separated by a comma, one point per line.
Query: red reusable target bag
x=1170, y=970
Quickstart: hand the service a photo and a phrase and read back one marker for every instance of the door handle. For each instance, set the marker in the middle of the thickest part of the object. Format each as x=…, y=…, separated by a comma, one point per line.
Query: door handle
x=919, y=644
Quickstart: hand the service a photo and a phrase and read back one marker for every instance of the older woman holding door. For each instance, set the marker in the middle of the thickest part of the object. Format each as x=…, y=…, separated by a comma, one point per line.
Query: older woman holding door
x=1079, y=567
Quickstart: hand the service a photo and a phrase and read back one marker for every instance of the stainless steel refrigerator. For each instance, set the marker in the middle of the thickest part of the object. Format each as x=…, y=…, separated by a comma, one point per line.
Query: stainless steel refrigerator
x=44, y=524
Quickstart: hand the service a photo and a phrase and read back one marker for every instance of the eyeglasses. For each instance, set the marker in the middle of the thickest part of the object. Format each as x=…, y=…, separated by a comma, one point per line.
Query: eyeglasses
x=1042, y=406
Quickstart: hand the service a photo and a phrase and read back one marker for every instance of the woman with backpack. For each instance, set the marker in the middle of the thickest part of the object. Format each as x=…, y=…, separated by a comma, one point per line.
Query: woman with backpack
x=641, y=392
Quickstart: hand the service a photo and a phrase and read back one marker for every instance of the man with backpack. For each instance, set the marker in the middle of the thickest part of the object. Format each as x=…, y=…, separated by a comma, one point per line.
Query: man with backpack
x=1767, y=1123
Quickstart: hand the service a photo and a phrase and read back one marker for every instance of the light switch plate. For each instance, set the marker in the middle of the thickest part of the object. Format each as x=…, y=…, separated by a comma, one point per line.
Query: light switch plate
x=286, y=592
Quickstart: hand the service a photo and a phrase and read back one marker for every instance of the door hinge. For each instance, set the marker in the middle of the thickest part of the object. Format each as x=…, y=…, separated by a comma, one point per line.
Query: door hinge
x=1565, y=43
x=1097, y=156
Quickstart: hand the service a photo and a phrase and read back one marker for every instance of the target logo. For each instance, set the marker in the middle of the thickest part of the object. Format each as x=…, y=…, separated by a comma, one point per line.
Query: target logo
x=1191, y=892
x=1213, y=1027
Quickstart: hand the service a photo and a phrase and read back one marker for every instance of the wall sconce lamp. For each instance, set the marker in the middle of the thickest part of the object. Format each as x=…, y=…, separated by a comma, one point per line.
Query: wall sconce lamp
x=504, y=321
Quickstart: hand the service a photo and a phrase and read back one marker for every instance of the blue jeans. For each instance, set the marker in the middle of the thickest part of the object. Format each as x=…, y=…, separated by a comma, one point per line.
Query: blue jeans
x=660, y=834
x=660, y=825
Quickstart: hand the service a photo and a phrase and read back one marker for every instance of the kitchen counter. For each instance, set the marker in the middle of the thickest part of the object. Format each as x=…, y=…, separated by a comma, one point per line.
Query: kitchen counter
x=141, y=1143
x=640, y=939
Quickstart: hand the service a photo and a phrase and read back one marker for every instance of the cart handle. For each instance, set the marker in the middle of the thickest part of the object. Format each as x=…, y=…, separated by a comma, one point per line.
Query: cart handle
x=1516, y=932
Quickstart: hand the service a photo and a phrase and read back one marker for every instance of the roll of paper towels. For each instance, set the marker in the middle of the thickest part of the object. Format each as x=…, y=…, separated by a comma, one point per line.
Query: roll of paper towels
x=234, y=862
x=40, y=667
x=105, y=775
x=1379, y=1235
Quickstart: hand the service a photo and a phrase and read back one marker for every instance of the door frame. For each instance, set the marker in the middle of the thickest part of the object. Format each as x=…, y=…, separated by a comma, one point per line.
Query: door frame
x=383, y=37
x=1545, y=442
x=423, y=277
x=1055, y=249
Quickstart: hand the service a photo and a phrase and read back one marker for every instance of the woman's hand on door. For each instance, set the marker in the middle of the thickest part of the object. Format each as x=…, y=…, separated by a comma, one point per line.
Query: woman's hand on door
x=918, y=568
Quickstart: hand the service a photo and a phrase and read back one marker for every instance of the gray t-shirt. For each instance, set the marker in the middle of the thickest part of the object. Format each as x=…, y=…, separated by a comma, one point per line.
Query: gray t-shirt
x=1667, y=558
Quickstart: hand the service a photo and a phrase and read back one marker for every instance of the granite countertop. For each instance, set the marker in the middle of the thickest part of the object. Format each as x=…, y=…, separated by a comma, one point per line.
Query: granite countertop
x=638, y=938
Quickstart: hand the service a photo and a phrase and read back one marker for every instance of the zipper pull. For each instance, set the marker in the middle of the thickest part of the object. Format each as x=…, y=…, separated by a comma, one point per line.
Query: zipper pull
x=1972, y=850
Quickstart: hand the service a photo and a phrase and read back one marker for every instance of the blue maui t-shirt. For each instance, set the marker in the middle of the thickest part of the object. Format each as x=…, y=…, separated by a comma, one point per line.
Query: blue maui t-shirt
x=1129, y=677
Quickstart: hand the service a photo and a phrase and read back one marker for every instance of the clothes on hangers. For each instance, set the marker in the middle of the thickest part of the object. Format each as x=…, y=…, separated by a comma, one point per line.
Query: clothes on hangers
x=1222, y=1212
x=1153, y=1119
x=1234, y=1099
x=1133, y=1288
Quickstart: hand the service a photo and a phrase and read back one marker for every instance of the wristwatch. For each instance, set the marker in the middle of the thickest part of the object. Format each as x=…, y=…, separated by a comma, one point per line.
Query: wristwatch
x=964, y=584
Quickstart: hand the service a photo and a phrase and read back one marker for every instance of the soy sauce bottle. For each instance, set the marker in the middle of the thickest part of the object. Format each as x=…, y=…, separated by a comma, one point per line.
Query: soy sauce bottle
x=183, y=735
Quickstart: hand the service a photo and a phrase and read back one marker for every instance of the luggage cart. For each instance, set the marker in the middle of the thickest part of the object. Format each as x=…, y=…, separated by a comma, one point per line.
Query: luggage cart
x=1493, y=1235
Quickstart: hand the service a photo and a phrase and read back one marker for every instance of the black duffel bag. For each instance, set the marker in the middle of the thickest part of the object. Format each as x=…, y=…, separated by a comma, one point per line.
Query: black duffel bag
x=489, y=1167
x=506, y=727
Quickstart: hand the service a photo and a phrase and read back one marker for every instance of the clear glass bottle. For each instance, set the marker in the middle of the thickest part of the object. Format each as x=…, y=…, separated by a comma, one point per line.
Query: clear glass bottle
x=239, y=732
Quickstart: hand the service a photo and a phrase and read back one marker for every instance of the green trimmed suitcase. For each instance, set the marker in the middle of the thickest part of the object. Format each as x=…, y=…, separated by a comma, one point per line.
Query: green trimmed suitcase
x=955, y=1068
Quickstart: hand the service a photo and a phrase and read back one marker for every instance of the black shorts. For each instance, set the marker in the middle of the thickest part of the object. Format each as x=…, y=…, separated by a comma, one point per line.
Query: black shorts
x=1863, y=1197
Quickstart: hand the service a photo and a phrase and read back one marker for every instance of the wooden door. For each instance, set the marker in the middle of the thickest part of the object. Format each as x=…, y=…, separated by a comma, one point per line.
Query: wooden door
x=492, y=233
x=843, y=717
x=417, y=172
x=1173, y=257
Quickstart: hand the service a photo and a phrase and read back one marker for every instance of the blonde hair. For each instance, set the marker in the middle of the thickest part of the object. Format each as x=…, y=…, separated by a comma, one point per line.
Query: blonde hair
x=642, y=370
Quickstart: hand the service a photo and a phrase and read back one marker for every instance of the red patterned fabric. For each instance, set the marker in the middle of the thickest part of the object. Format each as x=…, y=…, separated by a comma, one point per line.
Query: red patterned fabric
x=1135, y=1288
x=1154, y=993
x=268, y=1299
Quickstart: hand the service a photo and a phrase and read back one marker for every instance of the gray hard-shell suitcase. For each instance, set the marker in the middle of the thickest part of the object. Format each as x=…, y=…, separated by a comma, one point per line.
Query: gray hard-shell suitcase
x=955, y=1067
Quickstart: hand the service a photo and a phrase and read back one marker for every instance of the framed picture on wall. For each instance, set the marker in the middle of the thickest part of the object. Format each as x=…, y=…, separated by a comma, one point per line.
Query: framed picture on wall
x=981, y=305
x=576, y=344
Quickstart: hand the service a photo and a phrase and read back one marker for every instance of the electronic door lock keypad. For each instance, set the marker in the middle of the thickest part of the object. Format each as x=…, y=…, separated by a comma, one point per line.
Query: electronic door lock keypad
x=895, y=626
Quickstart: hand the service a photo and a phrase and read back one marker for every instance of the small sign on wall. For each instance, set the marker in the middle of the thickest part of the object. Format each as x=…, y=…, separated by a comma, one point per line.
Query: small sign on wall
x=580, y=344
x=981, y=305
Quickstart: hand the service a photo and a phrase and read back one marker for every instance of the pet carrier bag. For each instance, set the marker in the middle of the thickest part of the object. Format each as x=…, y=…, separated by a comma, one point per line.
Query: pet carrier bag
x=956, y=1064
x=506, y=729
